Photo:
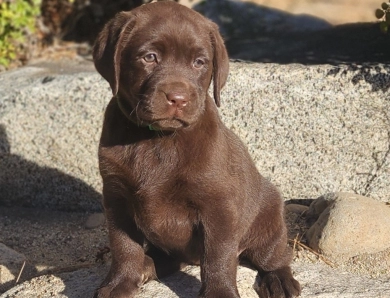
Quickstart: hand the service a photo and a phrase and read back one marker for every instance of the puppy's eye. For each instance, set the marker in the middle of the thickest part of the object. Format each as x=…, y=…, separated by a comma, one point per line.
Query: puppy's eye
x=150, y=58
x=199, y=63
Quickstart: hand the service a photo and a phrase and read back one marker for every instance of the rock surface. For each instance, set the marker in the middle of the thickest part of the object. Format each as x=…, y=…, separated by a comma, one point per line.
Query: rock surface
x=11, y=263
x=95, y=220
x=316, y=280
x=351, y=225
x=311, y=130
x=59, y=245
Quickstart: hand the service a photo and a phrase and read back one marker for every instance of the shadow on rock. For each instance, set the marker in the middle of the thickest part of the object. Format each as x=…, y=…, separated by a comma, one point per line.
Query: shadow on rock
x=183, y=284
x=379, y=79
x=82, y=283
x=51, y=243
x=24, y=183
x=260, y=34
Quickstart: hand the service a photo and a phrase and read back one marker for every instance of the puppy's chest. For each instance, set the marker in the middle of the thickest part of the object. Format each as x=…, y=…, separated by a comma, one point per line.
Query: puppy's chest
x=164, y=194
x=164, y=166
x=166, y=212
x=166, y=224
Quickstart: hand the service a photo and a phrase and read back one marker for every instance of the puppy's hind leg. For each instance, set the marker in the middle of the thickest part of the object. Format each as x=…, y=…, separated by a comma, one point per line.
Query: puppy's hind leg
x=164, y=264
x=273, y=265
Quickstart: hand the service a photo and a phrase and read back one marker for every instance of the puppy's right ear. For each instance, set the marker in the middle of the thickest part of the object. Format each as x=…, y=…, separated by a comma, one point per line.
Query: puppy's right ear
x=107, y=51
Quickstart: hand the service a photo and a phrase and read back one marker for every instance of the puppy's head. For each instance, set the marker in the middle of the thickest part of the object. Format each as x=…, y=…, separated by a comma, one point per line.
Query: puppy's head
x=160, y=59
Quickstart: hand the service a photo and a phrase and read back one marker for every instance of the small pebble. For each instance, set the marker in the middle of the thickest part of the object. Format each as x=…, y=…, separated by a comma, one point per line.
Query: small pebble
x=296, y=208
x=95, y=220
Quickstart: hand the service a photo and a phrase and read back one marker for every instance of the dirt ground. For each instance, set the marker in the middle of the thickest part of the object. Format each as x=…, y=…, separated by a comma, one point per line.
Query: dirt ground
x=57, y=242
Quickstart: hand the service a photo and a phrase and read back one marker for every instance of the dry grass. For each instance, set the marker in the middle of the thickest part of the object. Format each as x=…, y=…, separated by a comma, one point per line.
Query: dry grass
x=296, y=243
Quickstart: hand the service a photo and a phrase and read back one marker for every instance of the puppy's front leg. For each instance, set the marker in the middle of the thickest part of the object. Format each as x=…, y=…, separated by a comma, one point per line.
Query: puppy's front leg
x=130, y=267
x=219, y=260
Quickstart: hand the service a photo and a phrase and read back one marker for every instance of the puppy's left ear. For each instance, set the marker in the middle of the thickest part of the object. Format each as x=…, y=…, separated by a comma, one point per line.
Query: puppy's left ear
x=107, y=51
x=220, y=63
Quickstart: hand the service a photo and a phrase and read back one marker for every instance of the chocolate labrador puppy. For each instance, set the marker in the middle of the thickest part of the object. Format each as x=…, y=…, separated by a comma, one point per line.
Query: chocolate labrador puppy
x=179, y=187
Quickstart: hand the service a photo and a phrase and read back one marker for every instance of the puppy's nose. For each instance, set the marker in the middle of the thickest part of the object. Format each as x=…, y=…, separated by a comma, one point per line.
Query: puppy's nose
x=178, y=100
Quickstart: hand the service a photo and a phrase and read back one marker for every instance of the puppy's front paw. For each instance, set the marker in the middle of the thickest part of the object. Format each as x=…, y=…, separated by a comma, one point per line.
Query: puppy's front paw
x=278, y=284
x=123, y=289
x=219, y=291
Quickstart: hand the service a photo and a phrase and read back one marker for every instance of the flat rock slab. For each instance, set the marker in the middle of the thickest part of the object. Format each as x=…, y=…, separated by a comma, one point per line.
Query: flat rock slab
x=310, y=129
x=316, y=280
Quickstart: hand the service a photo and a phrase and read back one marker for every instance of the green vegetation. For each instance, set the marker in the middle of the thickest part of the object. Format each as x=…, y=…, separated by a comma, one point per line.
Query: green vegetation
x=383, y=14
x=17, y=21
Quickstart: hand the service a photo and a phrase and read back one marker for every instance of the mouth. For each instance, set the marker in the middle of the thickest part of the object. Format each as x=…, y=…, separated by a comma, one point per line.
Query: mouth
x=166, y=124
x=145, y=118
x=158, y=124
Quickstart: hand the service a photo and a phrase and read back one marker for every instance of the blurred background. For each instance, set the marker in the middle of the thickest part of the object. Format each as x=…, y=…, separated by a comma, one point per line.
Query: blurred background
x=334, y=11
x=51, y=29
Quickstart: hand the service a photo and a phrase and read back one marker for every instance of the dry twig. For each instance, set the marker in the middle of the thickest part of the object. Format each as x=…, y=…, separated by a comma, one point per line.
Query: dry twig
x=20, y=272
x=296, y=242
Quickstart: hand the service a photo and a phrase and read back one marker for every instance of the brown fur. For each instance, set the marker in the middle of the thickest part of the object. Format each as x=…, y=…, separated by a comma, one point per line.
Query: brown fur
x=185, y=190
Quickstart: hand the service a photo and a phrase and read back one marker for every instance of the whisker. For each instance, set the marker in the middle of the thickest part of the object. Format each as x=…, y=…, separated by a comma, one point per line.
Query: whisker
x=132, y=111
x=174, y=134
